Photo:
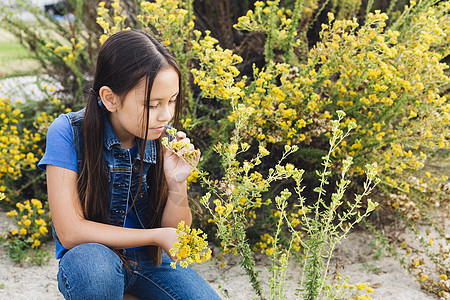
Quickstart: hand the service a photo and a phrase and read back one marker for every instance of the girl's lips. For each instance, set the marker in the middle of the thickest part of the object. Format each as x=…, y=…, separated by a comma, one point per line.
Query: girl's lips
x=159, y=129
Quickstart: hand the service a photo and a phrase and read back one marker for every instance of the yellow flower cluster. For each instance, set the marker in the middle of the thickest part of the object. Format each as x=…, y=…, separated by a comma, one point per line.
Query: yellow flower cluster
x=278, y=23
x=20, y=145
x=266, y=244
x=110, y=22
x=256, y=20
x=223, y=210
x=278, y=111
x=174, y=20
x=386, y=81
x=383, y=72
x=181, y=149
x=343, y=290
x=217, y=69
x=190, y=247
x=294, y=218
x=239, y=193
x=68, y=53
x=192, y=177
x=16, y=144
x=32, y=219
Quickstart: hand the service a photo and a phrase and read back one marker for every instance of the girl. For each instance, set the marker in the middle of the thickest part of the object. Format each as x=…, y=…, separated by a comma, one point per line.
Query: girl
x=116, y=196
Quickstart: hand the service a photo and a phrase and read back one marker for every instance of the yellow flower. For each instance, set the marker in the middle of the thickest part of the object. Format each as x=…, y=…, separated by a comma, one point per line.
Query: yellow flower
x=40, y=222
x=189, y=248
x=103, y=38
x=360, y=286
x=12, y=213
x=369, y=289
x=234, y=148
x=23, y=231
x=36, y=243
x=220, y=209
x=36, y=203
x=263, y=151
x=289, y=167
x=43, y=229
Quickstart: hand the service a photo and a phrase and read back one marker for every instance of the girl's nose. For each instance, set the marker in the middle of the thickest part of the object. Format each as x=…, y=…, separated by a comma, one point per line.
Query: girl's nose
x=165, y=114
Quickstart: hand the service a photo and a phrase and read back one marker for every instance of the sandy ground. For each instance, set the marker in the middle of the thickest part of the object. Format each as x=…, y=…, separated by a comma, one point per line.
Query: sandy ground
x=391, y=280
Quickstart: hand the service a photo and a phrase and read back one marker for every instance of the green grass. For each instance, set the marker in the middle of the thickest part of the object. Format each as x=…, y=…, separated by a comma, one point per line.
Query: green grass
x=11, y=49
x=14, y=59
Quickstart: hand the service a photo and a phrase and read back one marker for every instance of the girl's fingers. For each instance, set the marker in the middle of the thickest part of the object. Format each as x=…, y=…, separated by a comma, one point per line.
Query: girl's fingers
x=181, y=135
x=182, y=146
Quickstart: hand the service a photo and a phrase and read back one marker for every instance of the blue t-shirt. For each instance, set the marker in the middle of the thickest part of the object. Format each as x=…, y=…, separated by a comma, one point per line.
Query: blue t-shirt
x=60, y=151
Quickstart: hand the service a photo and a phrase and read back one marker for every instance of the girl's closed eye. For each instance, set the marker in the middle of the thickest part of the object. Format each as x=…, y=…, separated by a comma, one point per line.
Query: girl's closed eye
x=155, y=103
x=153, y=106
x=174, y=98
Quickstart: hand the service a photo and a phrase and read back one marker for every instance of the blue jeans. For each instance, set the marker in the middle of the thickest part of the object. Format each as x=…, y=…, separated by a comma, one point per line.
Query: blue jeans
x=93, y=271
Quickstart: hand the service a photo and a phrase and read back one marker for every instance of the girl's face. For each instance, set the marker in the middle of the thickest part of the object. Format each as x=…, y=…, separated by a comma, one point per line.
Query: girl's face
x=127, y=119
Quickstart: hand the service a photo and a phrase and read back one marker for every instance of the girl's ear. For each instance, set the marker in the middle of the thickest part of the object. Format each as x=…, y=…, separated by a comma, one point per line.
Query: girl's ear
x=109, y=99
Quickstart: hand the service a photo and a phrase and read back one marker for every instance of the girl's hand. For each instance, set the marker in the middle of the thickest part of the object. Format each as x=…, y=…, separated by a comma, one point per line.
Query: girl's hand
x=175, y=168
x=167, y=239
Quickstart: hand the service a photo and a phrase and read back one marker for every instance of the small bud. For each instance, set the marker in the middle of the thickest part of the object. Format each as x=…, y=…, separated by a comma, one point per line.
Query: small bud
x=351, y=125
x=340, y=114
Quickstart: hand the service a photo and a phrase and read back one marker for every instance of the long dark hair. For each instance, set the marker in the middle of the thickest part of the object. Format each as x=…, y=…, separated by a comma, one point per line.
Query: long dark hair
x=123, y=61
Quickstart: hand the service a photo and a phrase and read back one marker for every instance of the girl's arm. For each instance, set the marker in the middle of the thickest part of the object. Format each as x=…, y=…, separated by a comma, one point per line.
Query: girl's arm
x=73, y=229
x=177, y=206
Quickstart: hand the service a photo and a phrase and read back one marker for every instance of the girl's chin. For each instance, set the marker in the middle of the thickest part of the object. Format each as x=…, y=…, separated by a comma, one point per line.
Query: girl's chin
x=153, y=136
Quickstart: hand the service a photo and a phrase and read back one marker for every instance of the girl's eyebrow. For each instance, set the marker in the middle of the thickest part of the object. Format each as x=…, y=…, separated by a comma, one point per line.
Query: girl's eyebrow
x=158, y=99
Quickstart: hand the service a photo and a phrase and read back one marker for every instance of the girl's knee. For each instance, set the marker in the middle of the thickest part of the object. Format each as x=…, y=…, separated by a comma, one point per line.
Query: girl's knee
x=92, y=258
x=91, y=271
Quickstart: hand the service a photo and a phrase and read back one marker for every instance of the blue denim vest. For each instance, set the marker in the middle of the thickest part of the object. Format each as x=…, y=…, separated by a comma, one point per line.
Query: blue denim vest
x=123, y=171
